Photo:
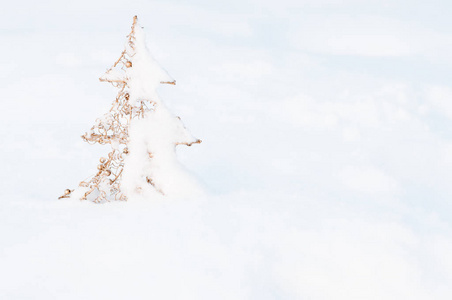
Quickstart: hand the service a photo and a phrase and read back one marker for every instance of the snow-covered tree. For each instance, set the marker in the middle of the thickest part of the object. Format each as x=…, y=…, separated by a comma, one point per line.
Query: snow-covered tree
x=142, y=132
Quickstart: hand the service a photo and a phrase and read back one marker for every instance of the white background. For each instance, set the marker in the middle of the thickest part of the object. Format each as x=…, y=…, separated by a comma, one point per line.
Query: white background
x=326, y=154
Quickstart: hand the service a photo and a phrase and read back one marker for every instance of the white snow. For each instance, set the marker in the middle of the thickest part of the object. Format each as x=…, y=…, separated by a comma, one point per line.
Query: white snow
x=146, y=74
x=328, y=171
x=153, y=138
x=158, y=133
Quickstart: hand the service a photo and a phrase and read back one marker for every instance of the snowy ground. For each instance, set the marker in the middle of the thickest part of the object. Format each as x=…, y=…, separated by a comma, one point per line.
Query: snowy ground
x=326, y=154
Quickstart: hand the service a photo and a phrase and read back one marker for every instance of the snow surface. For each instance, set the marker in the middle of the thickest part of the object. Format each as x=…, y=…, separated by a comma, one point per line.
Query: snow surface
x=327, y=165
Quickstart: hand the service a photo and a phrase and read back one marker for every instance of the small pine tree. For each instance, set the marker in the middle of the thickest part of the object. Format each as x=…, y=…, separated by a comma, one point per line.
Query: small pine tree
x=140, y=129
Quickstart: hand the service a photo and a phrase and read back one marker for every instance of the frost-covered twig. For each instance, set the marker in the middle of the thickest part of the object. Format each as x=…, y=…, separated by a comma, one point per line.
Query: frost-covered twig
x=141, y=131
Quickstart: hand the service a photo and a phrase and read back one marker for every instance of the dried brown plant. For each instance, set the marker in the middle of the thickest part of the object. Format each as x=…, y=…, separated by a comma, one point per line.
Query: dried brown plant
x=112, y=129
